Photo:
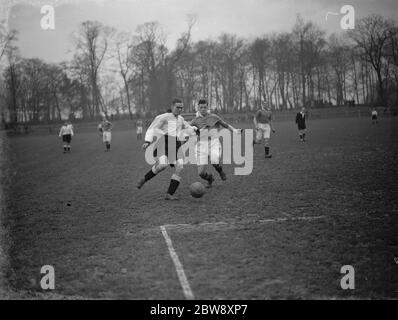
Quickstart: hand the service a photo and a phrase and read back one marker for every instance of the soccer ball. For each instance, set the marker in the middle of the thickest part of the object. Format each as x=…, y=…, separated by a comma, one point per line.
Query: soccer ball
x=197, y=189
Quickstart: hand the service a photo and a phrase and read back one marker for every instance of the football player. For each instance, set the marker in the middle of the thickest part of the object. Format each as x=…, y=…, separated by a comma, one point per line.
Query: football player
x=263, y=126
x=66, y=133
x=209, y=146
x=300, y=121
x=168, y=127
x=105, y=128
x=139, y=131
x=374, y=116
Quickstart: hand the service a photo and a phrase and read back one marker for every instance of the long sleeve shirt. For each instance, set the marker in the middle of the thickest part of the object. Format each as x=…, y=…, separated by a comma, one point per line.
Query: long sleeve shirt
x=169, y=124
x=68, y=129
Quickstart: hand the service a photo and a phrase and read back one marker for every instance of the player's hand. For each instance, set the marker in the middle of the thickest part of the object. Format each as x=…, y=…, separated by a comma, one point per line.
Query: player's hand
x=145, y=145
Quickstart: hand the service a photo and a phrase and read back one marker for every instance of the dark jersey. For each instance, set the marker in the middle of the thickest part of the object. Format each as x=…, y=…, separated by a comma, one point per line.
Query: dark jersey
x=300, y=120
x=263, y=116
x=208, y=121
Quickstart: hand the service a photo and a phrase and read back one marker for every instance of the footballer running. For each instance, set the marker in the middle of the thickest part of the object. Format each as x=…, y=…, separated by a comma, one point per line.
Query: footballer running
x=300, y=121
x=66, y=133
x=208, y=145
x=168, y=127
x=374, y=116
x=105, y=128
x=263, y=126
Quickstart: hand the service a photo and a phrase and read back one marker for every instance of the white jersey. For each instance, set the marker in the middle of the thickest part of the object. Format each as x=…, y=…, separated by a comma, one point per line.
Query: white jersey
x=68, y=129
x=168, y=124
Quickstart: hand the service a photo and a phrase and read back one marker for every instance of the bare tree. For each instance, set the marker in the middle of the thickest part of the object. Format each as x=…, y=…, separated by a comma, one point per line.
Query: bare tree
x=92, y=45
x=372, y=35
x=124, y=46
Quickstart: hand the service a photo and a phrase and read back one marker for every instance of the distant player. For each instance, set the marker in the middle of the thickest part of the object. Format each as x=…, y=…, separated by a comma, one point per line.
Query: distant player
x=105, y=128
x=300, y=121
x=263, y=126
x=66, y=133
x=374, y=116
x=170, y=126
x=209, y=146
x=139, y=126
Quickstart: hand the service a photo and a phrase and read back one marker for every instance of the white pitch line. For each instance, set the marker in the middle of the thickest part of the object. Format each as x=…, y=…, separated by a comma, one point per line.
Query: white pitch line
x=180, y=270
x=221, y=223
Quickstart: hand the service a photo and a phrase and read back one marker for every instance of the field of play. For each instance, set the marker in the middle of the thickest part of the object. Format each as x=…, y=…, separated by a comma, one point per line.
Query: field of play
x=283, y=232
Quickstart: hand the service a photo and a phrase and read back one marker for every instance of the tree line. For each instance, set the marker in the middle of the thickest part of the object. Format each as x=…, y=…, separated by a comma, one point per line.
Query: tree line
x=136, y=74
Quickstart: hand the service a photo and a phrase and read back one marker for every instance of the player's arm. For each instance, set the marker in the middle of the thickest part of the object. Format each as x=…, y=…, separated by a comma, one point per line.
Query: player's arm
x=255, y=120
x=155, y=126
x=190, y=127
x=228, y=126
x=271, y=124
x=61, y=131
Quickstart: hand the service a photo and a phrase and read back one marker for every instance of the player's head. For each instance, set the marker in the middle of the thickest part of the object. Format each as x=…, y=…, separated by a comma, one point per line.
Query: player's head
x=302, y=109
x=177, y=107
x=265, y=105
x=203, y=107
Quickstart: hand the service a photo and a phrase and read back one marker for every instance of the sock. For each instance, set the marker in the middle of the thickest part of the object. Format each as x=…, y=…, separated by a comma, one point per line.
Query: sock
x=266, y=151
x=303, y=136
x=205, y=176
x=174, y=183
x=64, y=148
x=218, y=168
x=150, y=174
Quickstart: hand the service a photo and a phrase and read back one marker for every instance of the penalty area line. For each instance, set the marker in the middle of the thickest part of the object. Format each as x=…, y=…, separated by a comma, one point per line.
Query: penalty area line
x=178, y=266
x=236, y=224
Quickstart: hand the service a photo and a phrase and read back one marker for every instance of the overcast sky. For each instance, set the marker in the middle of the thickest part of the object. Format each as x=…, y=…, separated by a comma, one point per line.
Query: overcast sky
x=246, y=18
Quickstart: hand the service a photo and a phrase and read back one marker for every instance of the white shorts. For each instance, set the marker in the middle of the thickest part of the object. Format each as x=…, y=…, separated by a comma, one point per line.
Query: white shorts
x=106, y=136
x=263, y=131
x=139, y=130
x=206, y=149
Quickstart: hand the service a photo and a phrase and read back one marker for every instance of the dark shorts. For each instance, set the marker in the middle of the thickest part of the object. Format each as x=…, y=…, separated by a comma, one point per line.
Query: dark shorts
x=302, y=127
x=168, y=146
x=67, y=138
x=374, y=117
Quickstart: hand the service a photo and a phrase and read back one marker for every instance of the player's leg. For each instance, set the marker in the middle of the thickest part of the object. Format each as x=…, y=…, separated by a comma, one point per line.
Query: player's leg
x=64, y=143
x=301, y=135
x=108, y=146
x=104, y=139
x=208, y=177
x=156, y=169
x=202, y=159
x=258, y=134
x=267, y=136
x=69, y=141
x=175, y=180
x=215, y=158
x=304, y=132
